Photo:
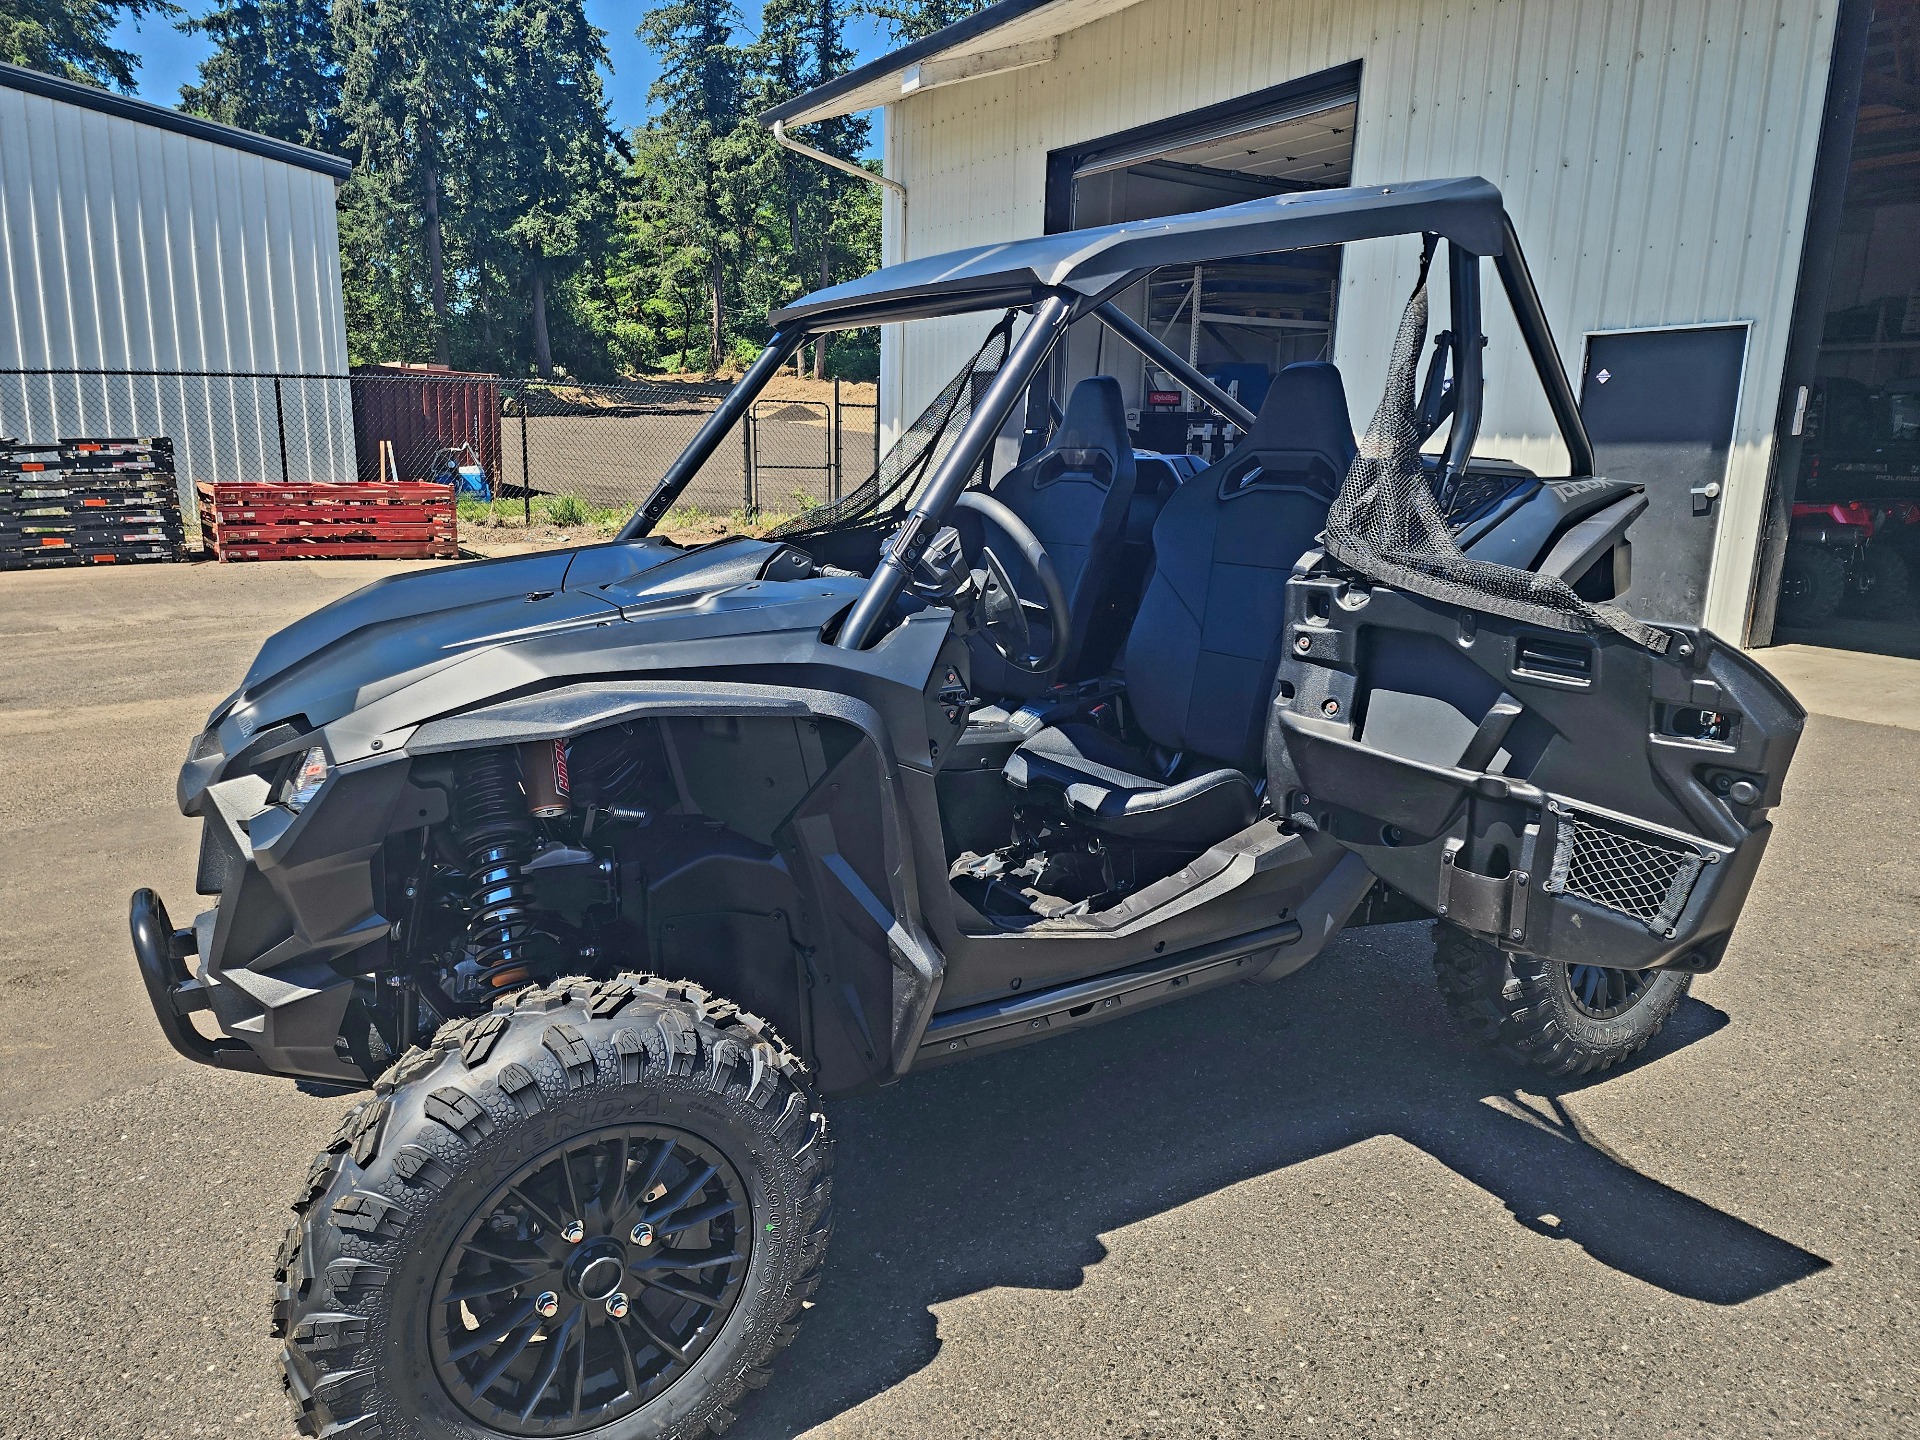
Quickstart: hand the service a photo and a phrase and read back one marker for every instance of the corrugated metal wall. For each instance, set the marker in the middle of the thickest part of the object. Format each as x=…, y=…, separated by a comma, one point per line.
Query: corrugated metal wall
x=128, y=248
x=1657, y=156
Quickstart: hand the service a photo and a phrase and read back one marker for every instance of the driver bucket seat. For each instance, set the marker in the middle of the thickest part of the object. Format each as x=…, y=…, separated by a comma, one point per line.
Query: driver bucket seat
x=1074, y=495
x=1203, y=649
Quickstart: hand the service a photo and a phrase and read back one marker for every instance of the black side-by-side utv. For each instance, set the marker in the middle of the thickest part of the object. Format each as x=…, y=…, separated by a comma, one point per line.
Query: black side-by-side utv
x=604, y=868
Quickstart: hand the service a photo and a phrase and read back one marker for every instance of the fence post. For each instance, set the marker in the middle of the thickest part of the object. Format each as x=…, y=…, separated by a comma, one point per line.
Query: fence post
x=746, y=461
x=526, y=484
x=838, y=436
x=280, y=422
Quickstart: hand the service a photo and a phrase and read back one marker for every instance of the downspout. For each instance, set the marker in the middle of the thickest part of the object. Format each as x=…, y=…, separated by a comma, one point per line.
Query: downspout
x=859, y=172
x=786, y=141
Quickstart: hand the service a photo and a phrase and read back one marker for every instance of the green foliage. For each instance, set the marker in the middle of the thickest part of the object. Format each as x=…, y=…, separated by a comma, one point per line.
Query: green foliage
x=273, y=70
x=916, y=19
x=495, y=222
x=412, y=68
x=70, y=38
x=829, y=215
x=720, y=224
x=547, y=168
x=566, y=512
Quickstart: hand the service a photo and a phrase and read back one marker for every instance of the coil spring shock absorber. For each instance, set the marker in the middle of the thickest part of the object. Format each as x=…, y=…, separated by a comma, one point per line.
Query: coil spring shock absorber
x=496, y=833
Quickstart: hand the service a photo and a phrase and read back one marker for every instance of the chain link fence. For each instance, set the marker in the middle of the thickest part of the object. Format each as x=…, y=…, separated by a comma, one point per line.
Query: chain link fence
x=522, y=445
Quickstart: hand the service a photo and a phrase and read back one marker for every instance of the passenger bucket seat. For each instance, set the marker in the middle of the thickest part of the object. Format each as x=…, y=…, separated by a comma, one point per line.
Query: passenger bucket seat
x=1074, y=495
x=1204, y=646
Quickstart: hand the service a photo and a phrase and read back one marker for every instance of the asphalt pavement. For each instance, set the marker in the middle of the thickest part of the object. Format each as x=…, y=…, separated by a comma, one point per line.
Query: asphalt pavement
x=1307, y=1209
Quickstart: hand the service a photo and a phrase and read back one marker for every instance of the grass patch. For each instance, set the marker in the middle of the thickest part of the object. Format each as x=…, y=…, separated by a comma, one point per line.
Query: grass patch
x=564, y=512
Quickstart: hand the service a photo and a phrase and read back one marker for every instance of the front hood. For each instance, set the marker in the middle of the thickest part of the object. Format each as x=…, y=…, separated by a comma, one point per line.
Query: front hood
x=398, y=631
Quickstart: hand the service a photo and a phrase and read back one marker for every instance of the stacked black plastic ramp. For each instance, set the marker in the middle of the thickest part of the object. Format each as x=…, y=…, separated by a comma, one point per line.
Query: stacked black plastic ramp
x=89, y=502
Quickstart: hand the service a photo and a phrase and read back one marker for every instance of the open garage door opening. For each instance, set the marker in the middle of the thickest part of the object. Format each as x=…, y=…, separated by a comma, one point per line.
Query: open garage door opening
x=1850, y=453
x=1239, y=321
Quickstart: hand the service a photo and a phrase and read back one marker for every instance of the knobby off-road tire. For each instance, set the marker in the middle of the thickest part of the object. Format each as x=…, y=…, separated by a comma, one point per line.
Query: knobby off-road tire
x=1563, y=1019
x=1884, y=590
x=1813, y=582
x=458, y=1148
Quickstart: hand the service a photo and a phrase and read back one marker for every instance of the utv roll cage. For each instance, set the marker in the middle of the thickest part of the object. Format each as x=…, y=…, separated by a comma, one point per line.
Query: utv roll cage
x=1065, y=278
x=462, y=823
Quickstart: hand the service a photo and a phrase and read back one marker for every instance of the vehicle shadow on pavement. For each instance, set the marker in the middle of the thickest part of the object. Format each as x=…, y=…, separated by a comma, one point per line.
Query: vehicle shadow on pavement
x=1006, y=1171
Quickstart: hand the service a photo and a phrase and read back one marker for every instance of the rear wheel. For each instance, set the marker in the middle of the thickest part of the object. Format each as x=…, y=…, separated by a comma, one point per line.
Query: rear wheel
x=595, y=1210
x=1563, y=1019
x=1813, y=582
x=1882, y=589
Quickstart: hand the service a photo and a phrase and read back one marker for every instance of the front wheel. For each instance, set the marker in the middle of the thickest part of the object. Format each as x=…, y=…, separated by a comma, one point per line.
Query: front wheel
x=596, y=1210
x=1560, y=1018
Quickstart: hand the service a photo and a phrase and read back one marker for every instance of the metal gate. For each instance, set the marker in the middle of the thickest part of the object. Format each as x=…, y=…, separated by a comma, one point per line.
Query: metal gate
x=789, y=455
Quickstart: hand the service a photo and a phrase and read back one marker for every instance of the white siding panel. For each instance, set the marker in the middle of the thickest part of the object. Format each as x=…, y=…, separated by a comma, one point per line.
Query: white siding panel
x=1657, y=157
x=128, y=248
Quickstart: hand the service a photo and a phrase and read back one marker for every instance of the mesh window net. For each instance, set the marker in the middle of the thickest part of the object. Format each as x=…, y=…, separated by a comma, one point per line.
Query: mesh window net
x=1386, y=523
x=915, y=455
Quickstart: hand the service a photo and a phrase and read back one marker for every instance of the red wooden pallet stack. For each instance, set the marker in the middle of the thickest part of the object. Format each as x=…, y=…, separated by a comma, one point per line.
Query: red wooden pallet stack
x=379, y=520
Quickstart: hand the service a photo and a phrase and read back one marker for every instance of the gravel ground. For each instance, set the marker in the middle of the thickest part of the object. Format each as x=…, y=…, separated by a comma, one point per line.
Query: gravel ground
x=1298, y=1210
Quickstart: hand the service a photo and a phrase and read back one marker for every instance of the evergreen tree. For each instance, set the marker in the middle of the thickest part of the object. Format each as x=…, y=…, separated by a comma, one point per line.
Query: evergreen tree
x=701, y=139
x=803, y=45
x=653, y=296
x=547, y=167
x=272, y=70
x=490, y=222
x=912, y=20
x=413, y=72
x=70, y=38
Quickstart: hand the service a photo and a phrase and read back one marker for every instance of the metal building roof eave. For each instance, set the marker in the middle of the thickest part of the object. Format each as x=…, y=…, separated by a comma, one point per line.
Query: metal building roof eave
x=1098, y=261
x=143, y=112
x=1006, y=36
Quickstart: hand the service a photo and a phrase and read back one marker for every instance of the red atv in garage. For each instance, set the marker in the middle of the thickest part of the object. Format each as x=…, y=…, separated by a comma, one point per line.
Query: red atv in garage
x=1855, y=556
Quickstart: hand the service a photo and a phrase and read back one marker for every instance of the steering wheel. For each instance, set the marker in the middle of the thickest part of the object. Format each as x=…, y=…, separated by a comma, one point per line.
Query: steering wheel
x=1000, y=611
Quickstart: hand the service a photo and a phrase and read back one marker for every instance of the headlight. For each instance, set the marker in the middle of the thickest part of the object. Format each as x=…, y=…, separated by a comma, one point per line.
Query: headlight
x=307, y=778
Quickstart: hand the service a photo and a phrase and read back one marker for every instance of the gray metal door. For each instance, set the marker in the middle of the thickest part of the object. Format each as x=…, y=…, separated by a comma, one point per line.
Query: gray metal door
x=1660, y=407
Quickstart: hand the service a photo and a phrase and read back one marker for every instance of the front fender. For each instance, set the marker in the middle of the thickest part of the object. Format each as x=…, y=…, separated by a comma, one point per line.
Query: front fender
x=874, y=973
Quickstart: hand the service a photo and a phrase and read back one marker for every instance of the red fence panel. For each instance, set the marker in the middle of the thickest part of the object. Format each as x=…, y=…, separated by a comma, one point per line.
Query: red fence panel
x=421, y=410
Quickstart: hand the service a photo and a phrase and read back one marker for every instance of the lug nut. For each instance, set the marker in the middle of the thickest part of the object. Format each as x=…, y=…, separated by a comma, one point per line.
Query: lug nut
x=643, y=1234
x=573, y=1232
x=617, y=1305
x=548, y=1304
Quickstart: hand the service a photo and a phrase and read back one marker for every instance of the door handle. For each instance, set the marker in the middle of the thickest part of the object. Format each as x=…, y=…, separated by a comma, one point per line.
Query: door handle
x=1704, y=496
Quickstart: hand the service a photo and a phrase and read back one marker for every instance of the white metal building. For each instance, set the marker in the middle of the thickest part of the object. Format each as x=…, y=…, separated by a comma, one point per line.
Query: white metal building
x=164, y=274
x=1665, y=162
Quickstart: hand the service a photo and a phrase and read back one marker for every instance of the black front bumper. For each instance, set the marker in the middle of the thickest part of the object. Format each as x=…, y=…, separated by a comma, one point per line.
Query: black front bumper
x=161, y=952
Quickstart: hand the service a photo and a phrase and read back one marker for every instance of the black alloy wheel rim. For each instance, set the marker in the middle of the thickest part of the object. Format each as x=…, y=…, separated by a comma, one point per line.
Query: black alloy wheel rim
x=1604, y=993
x=527, y=1331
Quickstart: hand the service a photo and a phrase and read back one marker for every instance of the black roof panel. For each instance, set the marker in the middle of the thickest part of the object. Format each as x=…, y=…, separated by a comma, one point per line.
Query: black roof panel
x=1099, y=261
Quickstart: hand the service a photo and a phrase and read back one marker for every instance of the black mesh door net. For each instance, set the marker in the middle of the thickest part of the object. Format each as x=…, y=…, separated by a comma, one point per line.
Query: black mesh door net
x=1386, y=523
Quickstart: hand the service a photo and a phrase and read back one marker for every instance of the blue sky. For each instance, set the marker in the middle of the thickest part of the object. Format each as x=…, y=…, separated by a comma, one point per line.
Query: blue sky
x=169, y=59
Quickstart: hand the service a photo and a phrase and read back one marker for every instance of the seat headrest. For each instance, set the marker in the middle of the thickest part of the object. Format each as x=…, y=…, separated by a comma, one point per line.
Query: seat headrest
x=1301, y=439
x=1091, y=445
x=1095, y=419
x=1306, y=410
